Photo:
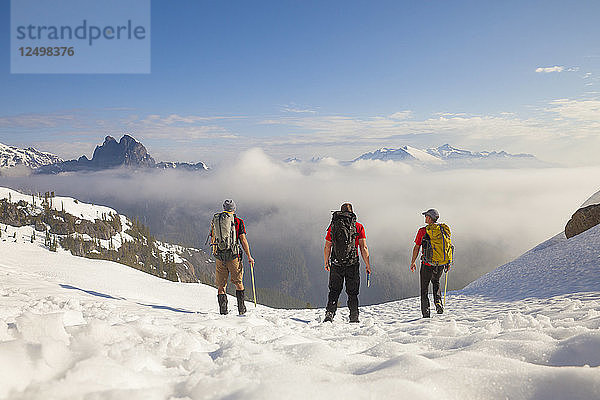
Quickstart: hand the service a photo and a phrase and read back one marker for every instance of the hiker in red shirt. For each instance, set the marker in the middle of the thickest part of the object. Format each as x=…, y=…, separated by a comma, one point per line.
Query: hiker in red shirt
x=344, y=237
x=428, y=273
x=228, y=235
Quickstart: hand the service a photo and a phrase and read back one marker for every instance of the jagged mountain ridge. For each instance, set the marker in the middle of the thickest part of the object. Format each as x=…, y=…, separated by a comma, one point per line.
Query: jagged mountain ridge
x=127, y=152
x=442, y=156
x=30, y=157
x=447, y=152
x=437, y=155
x=199, y=166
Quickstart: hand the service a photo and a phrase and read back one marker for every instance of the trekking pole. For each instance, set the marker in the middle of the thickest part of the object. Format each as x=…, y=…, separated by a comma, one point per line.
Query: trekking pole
x=445, y=288
x=253, y=288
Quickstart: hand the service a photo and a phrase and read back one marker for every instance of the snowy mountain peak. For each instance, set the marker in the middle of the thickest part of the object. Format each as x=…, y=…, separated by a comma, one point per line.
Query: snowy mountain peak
x=422, y=155
x=448, y=156
x=449, y=152
x=11, y=156
x=199, y=166
x=385, y=154
x=405, y=153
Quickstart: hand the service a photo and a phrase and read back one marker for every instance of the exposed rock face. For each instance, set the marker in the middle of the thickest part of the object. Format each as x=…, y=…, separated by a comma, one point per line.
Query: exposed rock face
x=583, y=219
x=198, y=266
x=128, y=152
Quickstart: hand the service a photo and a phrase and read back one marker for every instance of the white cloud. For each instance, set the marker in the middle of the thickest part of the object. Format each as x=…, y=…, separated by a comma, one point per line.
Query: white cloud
x=547, y=70
x=406, y=114
x=298, y=110
x=583, y=110
x=33, y=120
x=176, y=119
x=289, y=203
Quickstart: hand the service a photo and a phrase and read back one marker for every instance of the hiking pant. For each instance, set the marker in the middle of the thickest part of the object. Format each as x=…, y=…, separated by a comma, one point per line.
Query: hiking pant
x=337, y=274
x=225, y=268
x=430, y=274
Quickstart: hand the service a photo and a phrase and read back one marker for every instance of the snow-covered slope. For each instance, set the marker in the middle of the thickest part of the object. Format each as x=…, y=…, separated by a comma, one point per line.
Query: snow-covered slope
x=594, y=199
x=11, y=156
x=100, y=232
x=555, y=267
x=73, y=328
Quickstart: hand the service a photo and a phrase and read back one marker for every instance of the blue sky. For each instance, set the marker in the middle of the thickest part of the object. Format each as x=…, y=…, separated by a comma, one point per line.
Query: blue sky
x=330, y=78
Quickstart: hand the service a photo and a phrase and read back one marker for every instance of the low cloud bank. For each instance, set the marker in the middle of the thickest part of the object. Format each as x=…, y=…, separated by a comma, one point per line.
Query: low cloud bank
x=495, y=215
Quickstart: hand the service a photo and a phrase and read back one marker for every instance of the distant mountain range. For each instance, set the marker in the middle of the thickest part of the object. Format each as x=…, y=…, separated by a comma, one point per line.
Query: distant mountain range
x=11, y=156
x=130, y=153
x=127, y=152
x=444, y=156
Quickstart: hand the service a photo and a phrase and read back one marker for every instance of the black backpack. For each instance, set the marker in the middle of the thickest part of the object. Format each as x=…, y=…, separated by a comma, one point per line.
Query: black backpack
x=343, y=235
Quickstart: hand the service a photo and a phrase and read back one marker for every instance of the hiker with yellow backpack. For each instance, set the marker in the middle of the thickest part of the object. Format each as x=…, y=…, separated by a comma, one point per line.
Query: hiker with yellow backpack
x=436, y=258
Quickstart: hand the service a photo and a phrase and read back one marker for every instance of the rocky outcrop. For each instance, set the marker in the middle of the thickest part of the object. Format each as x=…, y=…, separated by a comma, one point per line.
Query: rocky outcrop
x=127, y=152
x=197, y=267
x=583, y=219
x=14, y=214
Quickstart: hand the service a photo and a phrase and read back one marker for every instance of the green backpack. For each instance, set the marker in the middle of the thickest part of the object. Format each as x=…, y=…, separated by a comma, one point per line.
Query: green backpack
x=224, y=239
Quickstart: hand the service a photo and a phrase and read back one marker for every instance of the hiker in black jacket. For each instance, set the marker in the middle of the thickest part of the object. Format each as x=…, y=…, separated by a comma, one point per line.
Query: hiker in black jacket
x=344, y=237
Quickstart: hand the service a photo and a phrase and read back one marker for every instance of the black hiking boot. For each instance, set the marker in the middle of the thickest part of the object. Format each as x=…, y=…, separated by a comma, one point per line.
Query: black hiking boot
x=240, y=301
x=439, y=308
x=222, y=298
x=329, y=316
x=354, y=317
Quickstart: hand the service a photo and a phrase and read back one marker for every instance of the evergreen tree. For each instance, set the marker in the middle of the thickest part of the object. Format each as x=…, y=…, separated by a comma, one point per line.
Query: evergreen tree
x=53, y=244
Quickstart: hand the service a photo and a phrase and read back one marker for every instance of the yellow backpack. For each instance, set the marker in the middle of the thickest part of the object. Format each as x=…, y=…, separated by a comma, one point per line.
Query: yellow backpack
x=437, y=245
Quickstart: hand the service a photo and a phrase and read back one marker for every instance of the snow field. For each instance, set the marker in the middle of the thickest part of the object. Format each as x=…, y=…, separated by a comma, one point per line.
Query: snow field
x=555, y=267
x=77, y=328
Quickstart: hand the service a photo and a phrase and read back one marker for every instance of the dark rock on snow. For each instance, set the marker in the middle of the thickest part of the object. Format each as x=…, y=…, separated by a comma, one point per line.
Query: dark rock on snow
x=583, y=219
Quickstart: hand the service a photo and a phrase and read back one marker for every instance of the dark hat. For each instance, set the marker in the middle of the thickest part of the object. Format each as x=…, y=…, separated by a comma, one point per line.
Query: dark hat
x=432, y=212
x=229, y=205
